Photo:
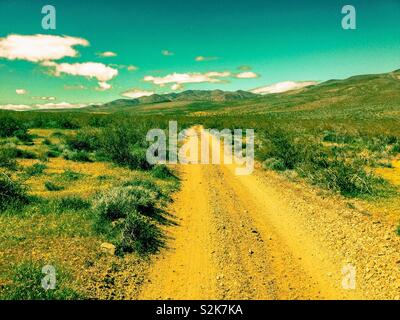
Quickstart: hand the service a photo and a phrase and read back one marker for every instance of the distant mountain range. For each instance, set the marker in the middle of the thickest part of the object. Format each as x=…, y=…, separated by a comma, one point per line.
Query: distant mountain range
x=188, y=95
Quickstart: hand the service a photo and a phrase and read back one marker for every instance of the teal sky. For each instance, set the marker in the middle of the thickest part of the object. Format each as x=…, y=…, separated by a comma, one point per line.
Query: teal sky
x=278, y=40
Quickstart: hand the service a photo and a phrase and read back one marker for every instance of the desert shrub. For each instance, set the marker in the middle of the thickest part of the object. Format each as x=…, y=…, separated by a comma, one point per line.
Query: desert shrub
x=86, y=139
x=118, y=202
x=124, y=146
x=36, y=169
x=73, y=203
x=347, y=177
x=50, y=186
x=281, y=146
x=162, y=172
x=12, y=193
x=122, y=214
x=26, y=284
x=139, y=234
x=149, y=185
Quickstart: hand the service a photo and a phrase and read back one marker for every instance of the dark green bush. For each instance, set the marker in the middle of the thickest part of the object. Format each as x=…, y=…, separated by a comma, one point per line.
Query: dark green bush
x=11, y=127
x=139, y=235
x=86, y=139
x=12, y=193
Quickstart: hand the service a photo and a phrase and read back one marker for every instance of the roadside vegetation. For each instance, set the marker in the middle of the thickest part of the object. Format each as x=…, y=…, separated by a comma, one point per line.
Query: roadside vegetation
x=69, y=177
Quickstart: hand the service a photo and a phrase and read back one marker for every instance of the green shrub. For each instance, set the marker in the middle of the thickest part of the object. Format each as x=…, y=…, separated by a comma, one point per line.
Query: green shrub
x=139, y=235
x=118, y=202
x=149, y=185
x=86, y=139
x=50, y=186
x=347, y=177
x=281, y=146
x=162, y=172
x=124, y=145
x=36, y=169
x=26, y=284
x=52, y=154
x=12, y=193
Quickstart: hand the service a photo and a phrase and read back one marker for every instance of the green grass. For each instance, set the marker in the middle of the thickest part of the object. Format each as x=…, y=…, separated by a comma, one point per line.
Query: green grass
x=26, y=284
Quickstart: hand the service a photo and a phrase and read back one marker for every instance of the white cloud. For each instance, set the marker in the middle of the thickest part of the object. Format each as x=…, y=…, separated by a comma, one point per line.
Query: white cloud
x=39, y=47
x=131, y=68
x=136, y=93
x=167, y=53
x=61, y=105
x=96, y=70
x=107, y=54
x=20, y=91
x=176, y=87
x=182, y=78
x=283, y=87
x=44, y=98
x=203, y=58
x=104, y=86
x=247, y=75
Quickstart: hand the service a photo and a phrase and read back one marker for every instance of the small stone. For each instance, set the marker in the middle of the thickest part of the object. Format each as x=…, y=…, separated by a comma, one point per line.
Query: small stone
x=251, y=251
x=108, y=248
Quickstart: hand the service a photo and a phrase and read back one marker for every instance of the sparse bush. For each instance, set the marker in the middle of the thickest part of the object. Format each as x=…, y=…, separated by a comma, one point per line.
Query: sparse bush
x=26, y=284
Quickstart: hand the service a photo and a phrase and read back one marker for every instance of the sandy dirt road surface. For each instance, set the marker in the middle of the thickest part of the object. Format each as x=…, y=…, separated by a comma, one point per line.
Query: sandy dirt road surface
x=260, y=236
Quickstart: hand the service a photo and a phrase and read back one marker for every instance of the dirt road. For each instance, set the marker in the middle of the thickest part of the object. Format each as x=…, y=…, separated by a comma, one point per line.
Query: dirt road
x=262, y=237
